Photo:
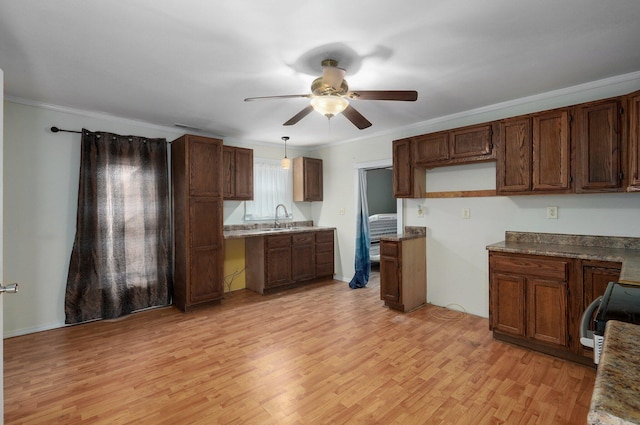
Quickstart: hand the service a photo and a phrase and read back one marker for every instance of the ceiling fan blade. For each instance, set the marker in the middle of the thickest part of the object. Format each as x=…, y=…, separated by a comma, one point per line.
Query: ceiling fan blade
x=286, y=96
x=406, y=95
x=297, y=117
x=356, y=118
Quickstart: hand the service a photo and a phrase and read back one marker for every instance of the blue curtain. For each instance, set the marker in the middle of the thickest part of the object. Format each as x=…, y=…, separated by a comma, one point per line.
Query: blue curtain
x=363, y=236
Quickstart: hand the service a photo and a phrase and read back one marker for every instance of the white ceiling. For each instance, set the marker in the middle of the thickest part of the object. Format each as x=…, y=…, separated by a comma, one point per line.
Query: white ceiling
x=194, y=61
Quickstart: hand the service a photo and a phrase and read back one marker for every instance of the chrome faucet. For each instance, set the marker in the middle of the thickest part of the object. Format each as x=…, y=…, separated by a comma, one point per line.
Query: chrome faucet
x=276, y=224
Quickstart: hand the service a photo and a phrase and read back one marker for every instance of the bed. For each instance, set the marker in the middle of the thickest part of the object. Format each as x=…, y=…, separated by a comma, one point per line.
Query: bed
x=380, y=224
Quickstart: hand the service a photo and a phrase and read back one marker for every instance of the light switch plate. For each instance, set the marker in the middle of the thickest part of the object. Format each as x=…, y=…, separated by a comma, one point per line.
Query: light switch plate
x=466, y=213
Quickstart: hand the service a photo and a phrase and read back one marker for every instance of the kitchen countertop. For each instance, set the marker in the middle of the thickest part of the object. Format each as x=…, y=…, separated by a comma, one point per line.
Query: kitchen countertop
x=410, y=232
x=603, y=248
x=239, y=232
x=616, y=399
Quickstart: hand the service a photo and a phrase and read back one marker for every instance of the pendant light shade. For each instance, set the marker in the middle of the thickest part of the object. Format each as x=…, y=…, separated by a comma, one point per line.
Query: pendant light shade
x=285, y=162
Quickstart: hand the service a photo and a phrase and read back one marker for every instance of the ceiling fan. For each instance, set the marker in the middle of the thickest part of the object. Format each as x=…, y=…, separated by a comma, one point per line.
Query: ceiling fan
x=330, y=96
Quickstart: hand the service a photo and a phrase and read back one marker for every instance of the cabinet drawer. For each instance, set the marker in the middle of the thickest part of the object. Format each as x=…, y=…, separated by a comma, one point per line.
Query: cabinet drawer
x=389, y=249
x=326, y=236
x=540, y=267
x=324, y=247
x=278, y=241
x=324, y=257
x=324, y=270
x=303, y=239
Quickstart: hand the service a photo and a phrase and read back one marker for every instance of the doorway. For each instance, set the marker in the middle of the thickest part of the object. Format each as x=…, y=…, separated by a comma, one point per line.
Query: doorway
x=383, y=209
x=381, y=205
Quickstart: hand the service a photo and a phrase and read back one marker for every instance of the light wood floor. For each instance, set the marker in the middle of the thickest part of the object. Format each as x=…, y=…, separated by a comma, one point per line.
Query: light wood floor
x=324, y=354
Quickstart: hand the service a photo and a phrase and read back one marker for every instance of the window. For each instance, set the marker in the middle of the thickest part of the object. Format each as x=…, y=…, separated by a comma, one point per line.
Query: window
x=271, y=186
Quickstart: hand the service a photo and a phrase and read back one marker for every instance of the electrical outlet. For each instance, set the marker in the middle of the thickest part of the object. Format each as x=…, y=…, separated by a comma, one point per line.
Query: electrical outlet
x=552, y=212
x=420, y=211
x=341, y=211
x=466, y=213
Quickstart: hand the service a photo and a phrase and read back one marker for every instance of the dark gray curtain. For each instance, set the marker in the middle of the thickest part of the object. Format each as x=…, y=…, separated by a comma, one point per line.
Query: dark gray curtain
x=121, y=258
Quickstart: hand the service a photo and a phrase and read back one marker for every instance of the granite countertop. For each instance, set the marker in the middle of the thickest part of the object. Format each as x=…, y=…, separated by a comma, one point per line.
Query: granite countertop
x=603, y=248
x=410, y=232
x=253, y=230
x=616, y=399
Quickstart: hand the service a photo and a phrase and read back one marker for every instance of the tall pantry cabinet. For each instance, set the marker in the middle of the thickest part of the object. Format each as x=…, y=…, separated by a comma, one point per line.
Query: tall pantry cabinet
x=197, y=220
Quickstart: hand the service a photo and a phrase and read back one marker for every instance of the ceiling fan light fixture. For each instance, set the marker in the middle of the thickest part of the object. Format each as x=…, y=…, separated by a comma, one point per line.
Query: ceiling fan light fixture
x=329, y=105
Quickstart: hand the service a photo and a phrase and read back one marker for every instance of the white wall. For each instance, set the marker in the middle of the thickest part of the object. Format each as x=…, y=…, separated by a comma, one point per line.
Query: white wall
x=2, y=281
x=41, y=183
x=457, y=260
x=40, y=202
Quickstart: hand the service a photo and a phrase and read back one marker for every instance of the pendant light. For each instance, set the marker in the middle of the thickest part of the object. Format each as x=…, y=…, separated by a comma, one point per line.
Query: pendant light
x=285, y=162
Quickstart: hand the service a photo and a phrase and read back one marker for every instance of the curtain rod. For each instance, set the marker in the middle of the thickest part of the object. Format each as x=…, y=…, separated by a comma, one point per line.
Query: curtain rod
x=56, y=129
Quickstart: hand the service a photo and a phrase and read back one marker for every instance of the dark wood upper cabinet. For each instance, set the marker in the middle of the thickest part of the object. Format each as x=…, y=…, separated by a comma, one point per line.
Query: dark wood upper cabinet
x=633, y=106
x=599, y=145
x=534, y=154
x=431, y=148
x=458, y=146
x=472, y=142
x=307, y=179
x=238, y=173
x=408, y=180
x=204, y=167
x=513, y=169
x=551, y=152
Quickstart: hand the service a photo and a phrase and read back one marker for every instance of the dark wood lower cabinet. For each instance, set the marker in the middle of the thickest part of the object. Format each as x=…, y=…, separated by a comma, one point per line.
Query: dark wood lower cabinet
x=303, y=256
x=529, y=298
x=324, y=254
x=276, y=262
x=596, y=275
x=537, y=301
x=403, y=275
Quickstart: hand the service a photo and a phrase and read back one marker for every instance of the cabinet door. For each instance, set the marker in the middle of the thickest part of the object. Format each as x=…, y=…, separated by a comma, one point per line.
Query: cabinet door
x=228, y=172
x=313, y=179
x=205, y=172
x=547, y=313
x=278, y=261
x=237, y=169
x=303, y=257
x=402, y=169
x=634, y=141
x=595, y=280
x=243, y=174
x=551, y=152
x=508, y=303
x=206, y=282
x=431, y=148
x=390, y=272
x=468, y=142
x=599, y=145
x=514, y=156
x=206, y=250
